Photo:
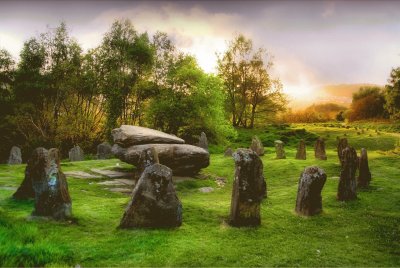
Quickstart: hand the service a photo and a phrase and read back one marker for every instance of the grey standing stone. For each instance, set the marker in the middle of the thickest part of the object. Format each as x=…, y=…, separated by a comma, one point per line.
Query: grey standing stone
x=347, y=182
x=257, y=146
x=248, y=190
x=203, y=143
x=280, y=151
x=154, y=201
x=104, y=151
x=319, y=149
x=15, y=157
x=309, y=200
x=301, y=150
x=342, y=144
x=148, y=157
x=76, y=154
x=364, y=176
x=228, y=152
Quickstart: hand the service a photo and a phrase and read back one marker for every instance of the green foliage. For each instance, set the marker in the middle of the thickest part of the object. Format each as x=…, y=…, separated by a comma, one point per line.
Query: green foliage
x=368, y=102
x=393, y=94
x=364, y=232
x=315, y=113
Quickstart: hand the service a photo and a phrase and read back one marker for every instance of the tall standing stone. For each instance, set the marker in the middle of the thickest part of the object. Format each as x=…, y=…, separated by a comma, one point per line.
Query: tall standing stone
x=342, y=144
x=319, y=149
x=301, y=150
x=280, y=151
x=76, y=154
x=148, y=157
x=249, y=188
x=347, y=182
x=104, y=150
x=154, y=201
x=15, y=157
x=309, y=200
x=364, y=176
x=203, y=143
x=257, y=146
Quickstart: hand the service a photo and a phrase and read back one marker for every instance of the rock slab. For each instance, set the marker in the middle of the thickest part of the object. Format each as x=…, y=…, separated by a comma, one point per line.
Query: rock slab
x=257, y=146
x=154, y=201
x=15, y=157
x=279, y=149
x=249, y=188
x=347, y=181
x=183, y=159
x=309, y=200
x=301, y=151
x=104, y=151
x=364, y=175
x=319, y=149
x=76, y=154
x=127, y=135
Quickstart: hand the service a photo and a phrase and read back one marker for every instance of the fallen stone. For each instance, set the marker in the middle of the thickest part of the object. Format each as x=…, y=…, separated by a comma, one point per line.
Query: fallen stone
x=347, y=182
x=280, y=151
x=206, y=189
x=364, y=176
x=104, y=151
x=301, y=150
x=76, y=154
x=249, y=188
x=120, y=190
x=111, y=173
x=15, y=157
x=154, y=201
x=203, y=142
x=127, y=135
x=81, y=175
x=112, y=183
x=309, y=200
x=183, y=159
x=220, y=181
x=257, y=146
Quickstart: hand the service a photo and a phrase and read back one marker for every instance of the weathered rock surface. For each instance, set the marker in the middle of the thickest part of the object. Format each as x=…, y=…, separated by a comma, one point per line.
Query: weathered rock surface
x=364, y=176
x=280, y=151
x=15, y=157
x=127, y=135
x=104, y=151
x=203, y=142
x=309, y=200
x=249, y=188
x=147, y=157
x=228, y=152
x=183, y=159
x=76, y=154
x=342, y=144
x=257, y=146
x=154, y=201
x=301, y=150
x=319, y=149
x=347, y=182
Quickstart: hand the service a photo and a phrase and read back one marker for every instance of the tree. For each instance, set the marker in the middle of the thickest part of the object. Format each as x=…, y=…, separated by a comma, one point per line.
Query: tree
x=367, y=103
x=250, y=89
x=392, y=95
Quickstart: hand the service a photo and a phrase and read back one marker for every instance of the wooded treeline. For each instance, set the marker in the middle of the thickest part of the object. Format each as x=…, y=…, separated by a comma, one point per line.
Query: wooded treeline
x=56, y=95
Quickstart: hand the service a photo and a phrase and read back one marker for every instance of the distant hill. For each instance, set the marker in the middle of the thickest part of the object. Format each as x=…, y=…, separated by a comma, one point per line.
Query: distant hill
x=340, y=94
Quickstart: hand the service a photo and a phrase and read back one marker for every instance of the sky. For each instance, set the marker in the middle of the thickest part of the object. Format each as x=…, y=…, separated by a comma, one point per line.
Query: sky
x=312, y=43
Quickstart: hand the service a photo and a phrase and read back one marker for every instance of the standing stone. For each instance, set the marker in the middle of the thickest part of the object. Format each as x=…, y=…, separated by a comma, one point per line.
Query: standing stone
x=280, y=151
x=249, y=188
x=148, y=157
x=320, y=149
x=364, y=176
x=15, y=157
x=203, y=143
x=76, y=154
x=154, y=202
x=228, y=152
x=104, y=151
x=347, y=182
x=301, y=150
x=309, y=200
x=257, y=146
x=342, y=144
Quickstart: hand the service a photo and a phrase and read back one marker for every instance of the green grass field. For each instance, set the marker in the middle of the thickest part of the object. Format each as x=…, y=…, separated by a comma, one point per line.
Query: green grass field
x=365, y=232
